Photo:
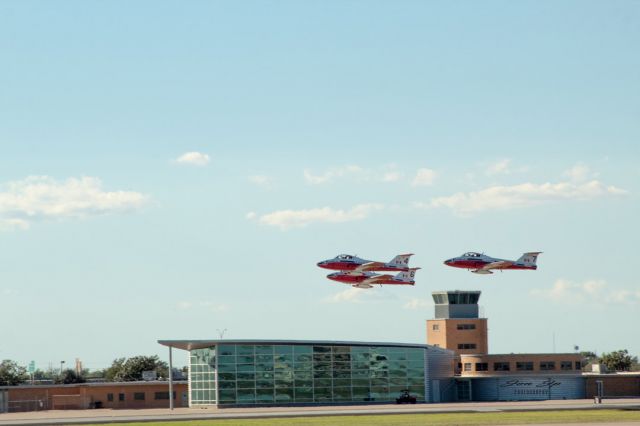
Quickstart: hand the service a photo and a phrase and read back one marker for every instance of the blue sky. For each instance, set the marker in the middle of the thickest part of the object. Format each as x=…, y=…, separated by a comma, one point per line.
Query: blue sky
x=315, y=128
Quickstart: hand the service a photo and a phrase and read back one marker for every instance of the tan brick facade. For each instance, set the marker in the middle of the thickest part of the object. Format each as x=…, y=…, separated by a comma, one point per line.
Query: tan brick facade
x=519, y=364
x=461, y=335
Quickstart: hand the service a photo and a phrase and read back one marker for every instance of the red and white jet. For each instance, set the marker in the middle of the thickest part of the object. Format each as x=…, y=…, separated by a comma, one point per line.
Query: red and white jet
x=482, y=264
x=367, y=279
x=346, y=262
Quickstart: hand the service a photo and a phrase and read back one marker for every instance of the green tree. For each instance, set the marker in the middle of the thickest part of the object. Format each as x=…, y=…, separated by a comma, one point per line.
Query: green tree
x=12, y=374
x=44, y=375
x=618, y=360
x=70, y=376
x=94, y=374
x=589, y=358
x=127, y=370
x=116, y=367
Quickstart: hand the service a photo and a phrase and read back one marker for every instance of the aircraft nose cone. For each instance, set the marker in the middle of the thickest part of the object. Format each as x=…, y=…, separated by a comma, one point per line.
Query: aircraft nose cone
x=323, y=264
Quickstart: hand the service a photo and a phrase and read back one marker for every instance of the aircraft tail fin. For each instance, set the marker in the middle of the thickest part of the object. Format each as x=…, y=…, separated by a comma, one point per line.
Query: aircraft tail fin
x=401, y=260
x=530, y=258
x=407, y=276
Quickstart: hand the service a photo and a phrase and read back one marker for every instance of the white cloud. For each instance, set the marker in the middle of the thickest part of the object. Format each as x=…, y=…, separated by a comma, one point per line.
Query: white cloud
x=357, y=295
x=416, y=303
x=590, y=291
x=331, y=174
x=285, y=219
x=193, y=158
x=261, y=180
x=214, y=307
x=41, y=197
x=499, y=167
x=391, y=176
x=519, y=196
x=386, y=174
x=580, y=173
x=424, y=177
x=13, y=224
x=251, y=215
x=349, y=295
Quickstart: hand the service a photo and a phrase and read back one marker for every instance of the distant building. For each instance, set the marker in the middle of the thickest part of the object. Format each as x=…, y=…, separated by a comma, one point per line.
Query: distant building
x=116, y=395
x=481, y=376
x=455, y=365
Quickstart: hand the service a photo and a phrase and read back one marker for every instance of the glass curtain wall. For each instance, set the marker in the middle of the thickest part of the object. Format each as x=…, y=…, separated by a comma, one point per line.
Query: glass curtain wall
x=268, y=374
x=202, y=375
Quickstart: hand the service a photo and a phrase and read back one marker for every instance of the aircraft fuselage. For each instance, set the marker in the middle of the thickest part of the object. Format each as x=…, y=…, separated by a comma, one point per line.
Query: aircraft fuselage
x=478, y=261
x=349, y=263
x=359, y=279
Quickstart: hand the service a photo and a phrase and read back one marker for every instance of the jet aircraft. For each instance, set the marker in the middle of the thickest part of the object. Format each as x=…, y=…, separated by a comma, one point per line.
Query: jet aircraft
x=367, y=279
x=480, y=263
x=347, y=262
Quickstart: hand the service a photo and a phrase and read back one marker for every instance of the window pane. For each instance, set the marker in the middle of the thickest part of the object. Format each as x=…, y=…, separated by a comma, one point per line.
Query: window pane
x=284, y=395
x=245, y=350
x=264, y=395
x=226, y=350
x=264, y=350
x=284, y=350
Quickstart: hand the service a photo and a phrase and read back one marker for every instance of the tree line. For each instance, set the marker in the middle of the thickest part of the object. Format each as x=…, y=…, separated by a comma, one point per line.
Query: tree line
x=130, y=369
x=614, y=361
x=121, y=370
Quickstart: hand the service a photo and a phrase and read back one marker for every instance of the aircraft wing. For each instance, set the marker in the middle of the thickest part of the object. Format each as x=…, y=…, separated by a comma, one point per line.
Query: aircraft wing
x=370, y=266
x=501, y=264
x=377, y=279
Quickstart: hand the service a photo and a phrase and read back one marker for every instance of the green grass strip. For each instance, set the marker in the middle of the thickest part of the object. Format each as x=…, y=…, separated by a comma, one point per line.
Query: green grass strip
x=443, y=419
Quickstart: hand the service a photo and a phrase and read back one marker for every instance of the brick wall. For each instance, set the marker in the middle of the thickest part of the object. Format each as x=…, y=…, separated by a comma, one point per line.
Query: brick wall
x=614, y=385
x=451, y=333
x=86, y=395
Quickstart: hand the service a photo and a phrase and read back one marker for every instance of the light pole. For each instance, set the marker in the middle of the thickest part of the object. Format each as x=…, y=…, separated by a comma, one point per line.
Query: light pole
x=221, y=333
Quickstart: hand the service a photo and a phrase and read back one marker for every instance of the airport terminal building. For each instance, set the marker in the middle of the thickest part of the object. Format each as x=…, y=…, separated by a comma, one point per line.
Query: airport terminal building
x=281, y=372
x=481, y=376
x=455, y=365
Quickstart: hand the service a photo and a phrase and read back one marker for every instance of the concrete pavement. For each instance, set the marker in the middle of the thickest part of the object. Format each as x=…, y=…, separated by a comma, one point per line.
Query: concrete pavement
x=60, y=417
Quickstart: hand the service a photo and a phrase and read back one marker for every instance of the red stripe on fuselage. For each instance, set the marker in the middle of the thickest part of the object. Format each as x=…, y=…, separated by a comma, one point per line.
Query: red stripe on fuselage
x=474, y=264
x=347, y=266
x=357, y=279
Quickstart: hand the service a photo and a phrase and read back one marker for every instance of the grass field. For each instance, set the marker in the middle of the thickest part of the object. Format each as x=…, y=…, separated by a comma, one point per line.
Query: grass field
x=448, y=419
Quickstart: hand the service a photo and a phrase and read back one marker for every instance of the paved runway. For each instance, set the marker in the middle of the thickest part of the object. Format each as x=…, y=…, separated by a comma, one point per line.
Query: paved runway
x=60, y=417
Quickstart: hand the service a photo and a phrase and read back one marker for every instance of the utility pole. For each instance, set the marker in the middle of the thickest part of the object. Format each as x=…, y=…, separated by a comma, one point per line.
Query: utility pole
x=170, y=379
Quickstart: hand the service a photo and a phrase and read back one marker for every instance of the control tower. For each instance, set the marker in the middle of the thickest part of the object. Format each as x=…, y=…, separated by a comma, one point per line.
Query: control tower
x=457, y=325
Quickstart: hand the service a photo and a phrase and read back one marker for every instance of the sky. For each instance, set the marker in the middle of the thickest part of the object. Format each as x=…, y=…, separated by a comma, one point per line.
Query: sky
x=175, y=170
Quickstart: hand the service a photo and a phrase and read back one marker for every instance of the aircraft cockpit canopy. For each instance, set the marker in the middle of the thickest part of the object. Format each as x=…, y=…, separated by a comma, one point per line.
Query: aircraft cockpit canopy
x=345, y=257
x=471, y=254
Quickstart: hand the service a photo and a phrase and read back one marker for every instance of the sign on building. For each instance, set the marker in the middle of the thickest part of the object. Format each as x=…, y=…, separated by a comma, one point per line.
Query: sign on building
x=149, y=376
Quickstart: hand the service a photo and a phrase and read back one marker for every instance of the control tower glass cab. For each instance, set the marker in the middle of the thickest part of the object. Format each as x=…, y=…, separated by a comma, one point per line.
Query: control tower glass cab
x=457, y=324
x=456, y=304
